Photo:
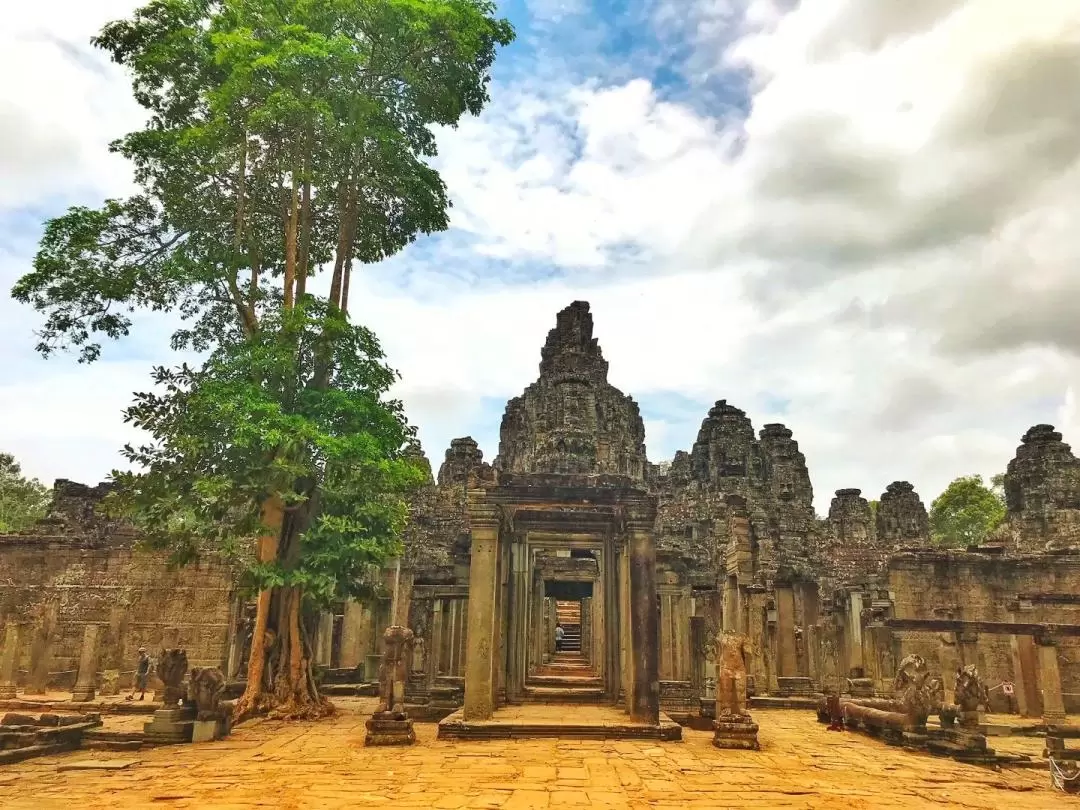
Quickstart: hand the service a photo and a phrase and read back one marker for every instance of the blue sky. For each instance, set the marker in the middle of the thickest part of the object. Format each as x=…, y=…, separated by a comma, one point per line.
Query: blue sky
x=816, y=210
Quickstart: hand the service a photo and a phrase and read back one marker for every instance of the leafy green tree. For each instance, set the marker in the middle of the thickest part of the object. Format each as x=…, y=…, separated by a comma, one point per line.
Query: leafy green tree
x=23, y=501
x=965, y=513
x=285, y=137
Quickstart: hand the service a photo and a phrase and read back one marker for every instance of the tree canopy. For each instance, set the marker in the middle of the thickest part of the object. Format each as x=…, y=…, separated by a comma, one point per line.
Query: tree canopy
x=966, y=512
x=284, y=137
x=23, y=501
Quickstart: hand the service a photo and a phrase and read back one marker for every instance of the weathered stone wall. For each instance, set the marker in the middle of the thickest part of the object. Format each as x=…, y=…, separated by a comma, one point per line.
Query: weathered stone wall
x=53, y=586
x=972, y=586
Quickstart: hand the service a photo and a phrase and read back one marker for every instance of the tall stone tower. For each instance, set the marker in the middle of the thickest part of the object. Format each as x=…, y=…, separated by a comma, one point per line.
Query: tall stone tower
x=571, y=420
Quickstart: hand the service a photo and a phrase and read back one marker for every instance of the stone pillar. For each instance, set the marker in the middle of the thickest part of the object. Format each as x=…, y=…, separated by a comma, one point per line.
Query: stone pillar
x=87, y=675
x=402, y=598
x=967, y=644
x=352, y=628
x=786, y=659
x=759, y=641
x=625, y=654
x=325, y=647
x=644, y=624
x=1026, y=676
x=518, y=612
x=1053, y=707
x=731, y=605
x=854, y=634
x=9, y=659
x=949, y=657
x=483, y=570
x=812, y=644
x=41, y=651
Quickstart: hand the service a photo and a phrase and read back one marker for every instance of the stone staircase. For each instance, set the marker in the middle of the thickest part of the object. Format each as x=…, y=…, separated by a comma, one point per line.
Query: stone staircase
x=567, y=678
x=569, y=616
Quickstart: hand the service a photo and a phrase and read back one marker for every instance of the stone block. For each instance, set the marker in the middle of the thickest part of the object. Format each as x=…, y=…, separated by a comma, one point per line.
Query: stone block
x=170, y=725
x=736, y=731
x=389, y=728
x=208, y=730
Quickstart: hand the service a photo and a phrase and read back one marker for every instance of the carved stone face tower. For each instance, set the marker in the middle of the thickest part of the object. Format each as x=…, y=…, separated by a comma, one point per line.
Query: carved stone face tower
x=571, y=420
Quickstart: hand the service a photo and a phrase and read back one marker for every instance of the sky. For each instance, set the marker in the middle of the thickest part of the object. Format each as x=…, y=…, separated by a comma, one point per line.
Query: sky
x=857, y=218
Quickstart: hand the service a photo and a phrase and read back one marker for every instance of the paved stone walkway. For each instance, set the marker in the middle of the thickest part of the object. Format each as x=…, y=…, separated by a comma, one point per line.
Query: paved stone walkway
x=325, y=765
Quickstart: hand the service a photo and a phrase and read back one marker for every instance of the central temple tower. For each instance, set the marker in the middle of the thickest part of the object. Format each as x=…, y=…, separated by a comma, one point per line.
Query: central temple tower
x=572, y=421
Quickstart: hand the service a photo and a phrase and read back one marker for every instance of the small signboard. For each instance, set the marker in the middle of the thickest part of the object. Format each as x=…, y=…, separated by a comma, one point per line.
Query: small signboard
x=1007, y=688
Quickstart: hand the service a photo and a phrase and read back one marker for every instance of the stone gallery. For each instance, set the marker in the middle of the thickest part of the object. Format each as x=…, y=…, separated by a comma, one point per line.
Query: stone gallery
x=571, y=569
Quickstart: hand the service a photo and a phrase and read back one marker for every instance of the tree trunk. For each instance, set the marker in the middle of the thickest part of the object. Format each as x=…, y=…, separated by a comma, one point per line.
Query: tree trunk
x=280, y=682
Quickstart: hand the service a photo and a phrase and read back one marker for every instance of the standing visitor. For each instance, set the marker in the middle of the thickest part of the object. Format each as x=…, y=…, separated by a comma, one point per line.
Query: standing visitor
x=142, y=675
x=558, y=637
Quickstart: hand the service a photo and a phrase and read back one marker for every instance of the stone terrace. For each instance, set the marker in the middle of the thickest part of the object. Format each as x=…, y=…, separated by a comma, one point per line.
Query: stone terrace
x=326, y=765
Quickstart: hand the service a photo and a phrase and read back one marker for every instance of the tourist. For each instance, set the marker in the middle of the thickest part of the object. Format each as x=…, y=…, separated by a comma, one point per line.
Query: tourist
x=558, y=637
x=142, y=675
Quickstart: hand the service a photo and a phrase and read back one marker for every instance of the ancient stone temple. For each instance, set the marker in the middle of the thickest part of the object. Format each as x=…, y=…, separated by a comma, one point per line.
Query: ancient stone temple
x=573, y=569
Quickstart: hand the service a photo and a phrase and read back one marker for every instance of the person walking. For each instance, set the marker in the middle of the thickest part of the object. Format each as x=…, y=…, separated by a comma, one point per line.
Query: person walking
x=559, y=633
x=142, y=675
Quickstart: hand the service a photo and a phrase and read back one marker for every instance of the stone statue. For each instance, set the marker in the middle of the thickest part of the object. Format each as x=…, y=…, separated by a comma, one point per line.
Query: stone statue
x=970, y=693
x=916, y=689
x=172, y=666
x=205, y=687
x=393, y=671
x=390, y=725
x=731, y=675
x=733, y=727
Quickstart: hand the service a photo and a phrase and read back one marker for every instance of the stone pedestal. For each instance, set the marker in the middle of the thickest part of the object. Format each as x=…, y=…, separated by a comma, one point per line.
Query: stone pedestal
x=209, y=730
x=389, y=728
x=735, y=731
x=8, y=660
x=170, y=726
x=85, y=680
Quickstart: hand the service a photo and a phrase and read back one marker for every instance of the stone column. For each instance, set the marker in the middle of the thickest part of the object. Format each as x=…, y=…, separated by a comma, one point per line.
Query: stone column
x=731, y=605
x=967, y=644
x=1053, y=707
x=786, y=659
x=9, y=658
x=812, y=644
x=518, y=612
x=402, y=598
x=854, y=633
x=325, y=646
x=352, y=652
x=949, y=657
x=483, y=569
x=87, y=675
x=625, y=645
x=759, y=641
x=644, y=623
x=1026, y=677
x=41, y=651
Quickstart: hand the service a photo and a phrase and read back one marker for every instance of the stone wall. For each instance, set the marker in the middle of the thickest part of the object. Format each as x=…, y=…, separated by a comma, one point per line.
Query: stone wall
x=76, y=568
x=978, y=586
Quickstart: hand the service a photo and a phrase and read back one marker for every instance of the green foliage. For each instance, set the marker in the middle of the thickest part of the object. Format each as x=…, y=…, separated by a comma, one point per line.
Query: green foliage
x=285, y=136
x=246, y=427
x=965, y=513
x=874, y=509
x=23, y=501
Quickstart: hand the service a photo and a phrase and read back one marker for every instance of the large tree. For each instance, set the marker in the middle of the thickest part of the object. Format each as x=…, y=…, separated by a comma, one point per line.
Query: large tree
x=285, y=136
x=965, y=513
x=23, y=501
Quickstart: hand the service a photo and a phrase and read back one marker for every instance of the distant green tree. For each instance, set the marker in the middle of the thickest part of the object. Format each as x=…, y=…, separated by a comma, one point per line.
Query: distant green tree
x=873, y=510
x=997, y=485
x=22, y=500
x=966, y=512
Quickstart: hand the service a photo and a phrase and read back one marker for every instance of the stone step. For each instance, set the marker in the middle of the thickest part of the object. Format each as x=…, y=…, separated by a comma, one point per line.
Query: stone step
x=544, y=694
x=590, y=681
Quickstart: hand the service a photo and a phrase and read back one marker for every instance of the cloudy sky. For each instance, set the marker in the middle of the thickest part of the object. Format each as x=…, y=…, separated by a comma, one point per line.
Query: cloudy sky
x=858, y=218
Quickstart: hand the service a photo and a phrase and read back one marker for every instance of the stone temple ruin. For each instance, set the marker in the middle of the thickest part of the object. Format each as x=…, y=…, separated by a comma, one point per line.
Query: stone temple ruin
x=643, y=565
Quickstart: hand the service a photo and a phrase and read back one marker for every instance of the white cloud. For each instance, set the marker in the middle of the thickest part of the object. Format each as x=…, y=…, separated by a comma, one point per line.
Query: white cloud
x=887, y=242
